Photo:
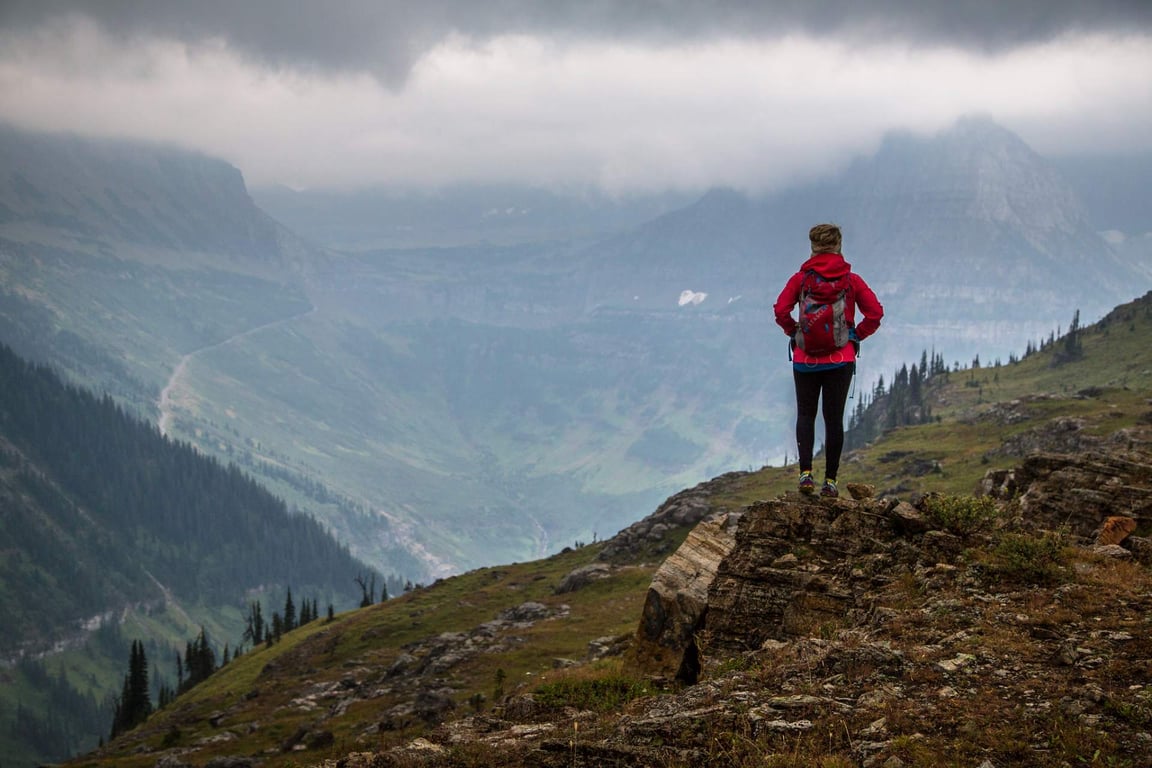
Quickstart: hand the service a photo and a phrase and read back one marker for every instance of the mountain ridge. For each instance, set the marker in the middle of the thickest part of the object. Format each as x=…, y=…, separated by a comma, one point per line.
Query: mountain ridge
x=537, y=376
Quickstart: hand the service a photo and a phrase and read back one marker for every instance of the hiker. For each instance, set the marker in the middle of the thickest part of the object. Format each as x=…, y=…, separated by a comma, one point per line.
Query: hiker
x=823, y=347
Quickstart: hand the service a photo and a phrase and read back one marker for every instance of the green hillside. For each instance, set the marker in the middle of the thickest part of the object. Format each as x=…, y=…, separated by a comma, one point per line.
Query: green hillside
x=112, y=532
x=279, y=704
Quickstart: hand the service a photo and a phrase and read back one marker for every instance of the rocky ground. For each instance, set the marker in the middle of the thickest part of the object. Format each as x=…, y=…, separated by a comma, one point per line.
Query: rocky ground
x=869, y=632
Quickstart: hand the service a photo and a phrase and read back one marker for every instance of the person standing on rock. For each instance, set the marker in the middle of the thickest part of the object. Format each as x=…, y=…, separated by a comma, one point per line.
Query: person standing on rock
x=823, y=346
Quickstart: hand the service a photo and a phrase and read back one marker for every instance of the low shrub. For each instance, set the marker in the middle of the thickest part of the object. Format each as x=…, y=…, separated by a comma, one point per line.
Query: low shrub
x=1031, y=558
x=961, y=515
x=600, y=694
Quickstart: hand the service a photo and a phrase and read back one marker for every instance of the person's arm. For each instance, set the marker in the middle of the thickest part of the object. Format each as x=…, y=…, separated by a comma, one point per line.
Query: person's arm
x=785, y=302
x=869, y=307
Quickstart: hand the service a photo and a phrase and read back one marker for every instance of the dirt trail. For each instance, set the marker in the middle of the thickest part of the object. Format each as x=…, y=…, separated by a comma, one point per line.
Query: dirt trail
x=173, y=393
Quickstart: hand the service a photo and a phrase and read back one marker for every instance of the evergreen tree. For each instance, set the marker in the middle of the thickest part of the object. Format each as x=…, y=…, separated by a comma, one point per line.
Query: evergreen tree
x=134, y=704
x=1073, y=345
x=289, y=613
x=277, y=628
x=199, y=661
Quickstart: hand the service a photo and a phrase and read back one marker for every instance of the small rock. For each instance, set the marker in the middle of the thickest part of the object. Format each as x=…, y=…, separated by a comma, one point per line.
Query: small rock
x=960, y=661
x=1114, y=530
x=582, y=577
x=860, y=491
x=1112, y=550
x=907, y=520
x=875, y=729
x=783, y=726
x=525, y=612
x=229, y=761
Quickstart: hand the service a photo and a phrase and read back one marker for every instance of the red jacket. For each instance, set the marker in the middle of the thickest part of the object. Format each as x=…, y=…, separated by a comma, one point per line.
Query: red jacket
x=831, y=266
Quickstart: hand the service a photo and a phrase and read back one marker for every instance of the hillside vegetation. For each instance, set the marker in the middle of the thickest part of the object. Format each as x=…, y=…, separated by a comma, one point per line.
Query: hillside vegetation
x=515, y=652
x=112, y=532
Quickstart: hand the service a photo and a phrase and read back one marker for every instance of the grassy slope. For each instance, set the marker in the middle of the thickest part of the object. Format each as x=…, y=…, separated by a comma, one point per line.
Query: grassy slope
x=1116, y=360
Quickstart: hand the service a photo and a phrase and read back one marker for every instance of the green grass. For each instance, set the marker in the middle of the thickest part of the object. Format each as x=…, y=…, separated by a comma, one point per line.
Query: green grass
x=373, y=637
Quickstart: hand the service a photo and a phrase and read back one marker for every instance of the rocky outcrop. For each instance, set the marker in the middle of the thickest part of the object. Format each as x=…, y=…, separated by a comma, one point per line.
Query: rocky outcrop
x=1078, y=491
x=796, y=567
x=688, y=507
x=785, y=568
x=678, y=597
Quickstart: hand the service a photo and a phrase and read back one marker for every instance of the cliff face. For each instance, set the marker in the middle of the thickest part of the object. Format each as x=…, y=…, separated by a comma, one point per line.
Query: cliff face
x=68, y=191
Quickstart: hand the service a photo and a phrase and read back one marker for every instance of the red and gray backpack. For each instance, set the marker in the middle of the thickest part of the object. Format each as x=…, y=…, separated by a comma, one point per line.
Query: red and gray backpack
x=823, y=327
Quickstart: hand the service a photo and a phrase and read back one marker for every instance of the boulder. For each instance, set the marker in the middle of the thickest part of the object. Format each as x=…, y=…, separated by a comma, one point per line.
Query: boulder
x=582, y=577
x=1080, y=491
x=678, y=595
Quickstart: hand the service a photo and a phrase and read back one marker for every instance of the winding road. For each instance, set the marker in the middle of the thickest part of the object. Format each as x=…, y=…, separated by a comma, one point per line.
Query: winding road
x=173, y=391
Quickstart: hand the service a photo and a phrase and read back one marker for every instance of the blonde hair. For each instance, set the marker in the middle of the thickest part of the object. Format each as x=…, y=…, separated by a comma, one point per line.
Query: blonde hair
x=825, y=238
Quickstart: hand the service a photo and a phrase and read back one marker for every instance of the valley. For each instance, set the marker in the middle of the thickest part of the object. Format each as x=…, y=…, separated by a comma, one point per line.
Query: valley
x=444, y=405
x=172, y=395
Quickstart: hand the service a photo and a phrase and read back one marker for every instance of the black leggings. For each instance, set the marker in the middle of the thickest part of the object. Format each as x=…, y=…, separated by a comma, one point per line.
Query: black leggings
x=834, y=383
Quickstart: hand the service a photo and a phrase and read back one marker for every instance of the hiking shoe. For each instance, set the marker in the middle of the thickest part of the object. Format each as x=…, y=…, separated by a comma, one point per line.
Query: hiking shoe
x=807, y=484
x=829, y=490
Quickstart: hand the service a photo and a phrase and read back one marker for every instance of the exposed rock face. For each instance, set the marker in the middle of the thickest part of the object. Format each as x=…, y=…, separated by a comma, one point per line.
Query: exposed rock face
x=1080, y=490
x=685, y=508
x=783, y=569
x=679, y=594
x=789, y=573
x=796, y=567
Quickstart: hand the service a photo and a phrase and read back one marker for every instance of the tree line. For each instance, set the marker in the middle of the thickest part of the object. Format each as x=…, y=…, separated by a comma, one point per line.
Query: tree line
x=199, y=660
x=150, y=509
x=905, y=401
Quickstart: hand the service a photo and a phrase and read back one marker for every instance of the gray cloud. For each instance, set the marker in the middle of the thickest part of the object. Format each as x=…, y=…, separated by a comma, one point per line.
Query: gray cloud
x=386, y=38
x=640, y=95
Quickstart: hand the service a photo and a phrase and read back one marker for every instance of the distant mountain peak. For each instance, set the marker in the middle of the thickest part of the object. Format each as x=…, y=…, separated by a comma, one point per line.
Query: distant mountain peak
x=969, y=134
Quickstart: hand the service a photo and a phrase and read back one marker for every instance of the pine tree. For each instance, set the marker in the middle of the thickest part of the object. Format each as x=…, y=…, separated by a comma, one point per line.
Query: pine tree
x=289, y=613
x=199, y=661
x=277, y=628
x=134, y=704
x=1073, y=346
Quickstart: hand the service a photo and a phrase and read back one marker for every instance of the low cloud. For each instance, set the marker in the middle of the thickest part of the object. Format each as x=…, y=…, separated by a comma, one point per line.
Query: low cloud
x=566, y=99
x=388, y=38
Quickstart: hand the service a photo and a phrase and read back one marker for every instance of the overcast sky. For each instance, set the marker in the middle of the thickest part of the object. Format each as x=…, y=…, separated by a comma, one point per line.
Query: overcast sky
x=623, y=95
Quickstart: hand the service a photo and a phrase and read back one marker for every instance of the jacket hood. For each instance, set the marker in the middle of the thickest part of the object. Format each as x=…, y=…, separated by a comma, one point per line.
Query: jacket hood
x=830, y=265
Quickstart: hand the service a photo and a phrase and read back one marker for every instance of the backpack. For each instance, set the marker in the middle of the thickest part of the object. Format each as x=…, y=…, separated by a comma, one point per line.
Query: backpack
x=823, y=327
